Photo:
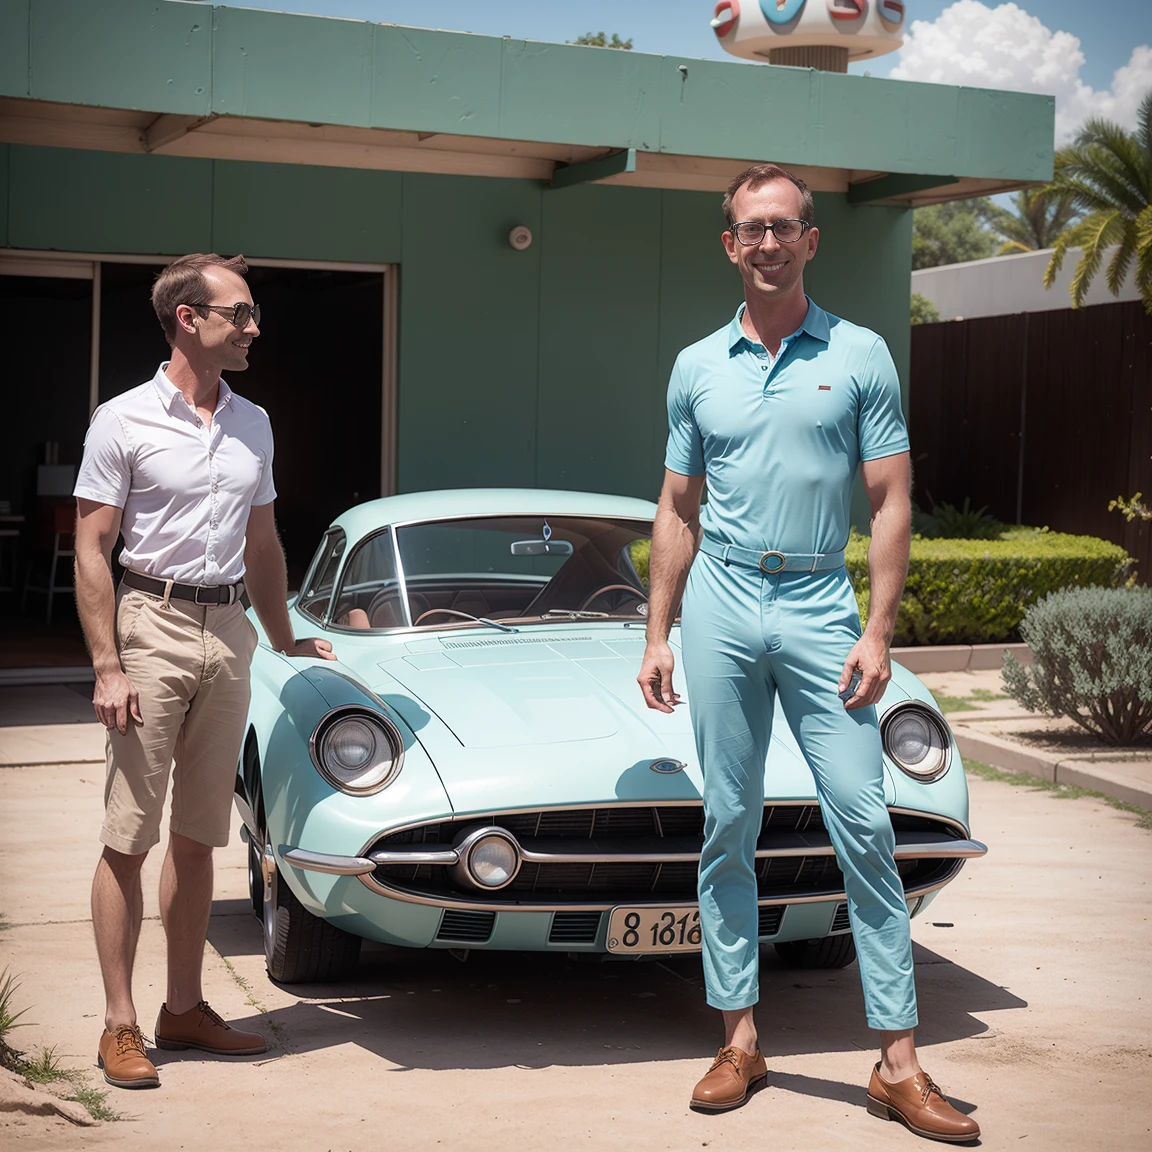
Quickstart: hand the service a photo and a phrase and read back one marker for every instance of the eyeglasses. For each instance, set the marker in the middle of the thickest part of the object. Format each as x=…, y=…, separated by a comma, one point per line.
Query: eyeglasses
x=750, y=232
x=238, y=314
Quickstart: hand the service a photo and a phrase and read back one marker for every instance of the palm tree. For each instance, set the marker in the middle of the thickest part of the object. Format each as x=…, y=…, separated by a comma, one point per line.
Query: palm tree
x=1035, y=221
x=1108, y=173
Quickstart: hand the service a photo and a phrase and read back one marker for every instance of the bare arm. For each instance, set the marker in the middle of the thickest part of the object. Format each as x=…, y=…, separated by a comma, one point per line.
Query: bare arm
x=887, y=482
x=266, y=579
x=674, y=533
x=97, y=526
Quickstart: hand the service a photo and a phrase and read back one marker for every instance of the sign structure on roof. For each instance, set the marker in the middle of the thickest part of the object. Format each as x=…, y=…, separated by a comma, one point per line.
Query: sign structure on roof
x=848, y=29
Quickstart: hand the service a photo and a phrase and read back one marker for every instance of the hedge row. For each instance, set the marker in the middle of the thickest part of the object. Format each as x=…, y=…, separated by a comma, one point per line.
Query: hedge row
x=977, y=591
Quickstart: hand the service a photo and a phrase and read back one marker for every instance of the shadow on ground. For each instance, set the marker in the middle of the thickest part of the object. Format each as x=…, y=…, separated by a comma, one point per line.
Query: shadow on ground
x=427, y=1009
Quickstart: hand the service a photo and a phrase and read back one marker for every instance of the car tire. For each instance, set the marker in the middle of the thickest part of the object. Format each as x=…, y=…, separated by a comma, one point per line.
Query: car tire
x=826, y=952
x=300, y=948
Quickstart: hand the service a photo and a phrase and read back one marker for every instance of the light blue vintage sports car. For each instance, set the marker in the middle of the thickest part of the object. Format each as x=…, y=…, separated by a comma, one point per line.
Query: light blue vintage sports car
x=479, y=769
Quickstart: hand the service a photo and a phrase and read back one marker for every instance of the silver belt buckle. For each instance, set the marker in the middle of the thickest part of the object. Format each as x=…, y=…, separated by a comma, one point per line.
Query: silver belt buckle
x=196, y=596
x=771, y=571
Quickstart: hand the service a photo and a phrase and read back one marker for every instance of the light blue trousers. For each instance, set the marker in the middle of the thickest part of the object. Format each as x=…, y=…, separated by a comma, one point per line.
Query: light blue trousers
x=746, y=637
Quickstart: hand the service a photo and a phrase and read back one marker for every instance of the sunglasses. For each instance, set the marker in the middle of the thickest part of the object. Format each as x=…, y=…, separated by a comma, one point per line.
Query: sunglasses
x=238, y=314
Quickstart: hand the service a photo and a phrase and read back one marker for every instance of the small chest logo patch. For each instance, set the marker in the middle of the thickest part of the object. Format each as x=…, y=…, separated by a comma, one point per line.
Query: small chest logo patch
x=824, y=388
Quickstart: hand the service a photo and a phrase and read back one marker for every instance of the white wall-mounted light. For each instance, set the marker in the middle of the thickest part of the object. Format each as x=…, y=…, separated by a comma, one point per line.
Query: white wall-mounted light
x=520, y=237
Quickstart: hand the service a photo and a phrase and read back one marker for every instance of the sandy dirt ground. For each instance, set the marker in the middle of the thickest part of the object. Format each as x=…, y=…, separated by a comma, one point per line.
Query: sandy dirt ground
x=1033, y=972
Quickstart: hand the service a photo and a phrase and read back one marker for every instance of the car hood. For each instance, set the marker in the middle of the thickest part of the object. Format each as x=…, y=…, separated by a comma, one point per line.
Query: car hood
x=533, y=720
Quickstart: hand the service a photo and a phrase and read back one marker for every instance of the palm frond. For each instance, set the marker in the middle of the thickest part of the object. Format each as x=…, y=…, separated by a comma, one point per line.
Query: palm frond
x=1144, y=125
x=1014, y=248
x=1121, y=261
x=1096, y=239
x=1056, y=261
x=1143, y=278
x=1144, y=230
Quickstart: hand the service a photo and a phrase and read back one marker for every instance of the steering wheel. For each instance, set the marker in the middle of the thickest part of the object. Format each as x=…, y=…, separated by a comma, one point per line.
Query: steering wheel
x=443, y=612
x=595, y=595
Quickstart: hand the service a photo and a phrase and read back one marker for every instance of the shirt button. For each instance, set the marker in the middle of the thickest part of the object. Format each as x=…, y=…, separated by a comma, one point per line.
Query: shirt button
x=763, y=367
x=215, y=487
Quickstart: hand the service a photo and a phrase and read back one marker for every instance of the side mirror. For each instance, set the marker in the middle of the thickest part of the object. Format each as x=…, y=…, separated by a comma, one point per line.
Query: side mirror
x=542, y=548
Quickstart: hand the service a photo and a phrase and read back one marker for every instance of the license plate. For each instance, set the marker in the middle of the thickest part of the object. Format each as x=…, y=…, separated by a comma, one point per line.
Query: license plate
x=637, y=929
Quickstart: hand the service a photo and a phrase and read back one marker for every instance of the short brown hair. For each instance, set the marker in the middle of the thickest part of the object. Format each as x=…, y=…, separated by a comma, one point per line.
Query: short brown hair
x=182, y=282
x=759, y=175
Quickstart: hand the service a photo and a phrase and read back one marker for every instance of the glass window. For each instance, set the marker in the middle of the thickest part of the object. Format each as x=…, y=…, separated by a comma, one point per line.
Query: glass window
x=485, y=548
x=370, y=592
x=315, y=597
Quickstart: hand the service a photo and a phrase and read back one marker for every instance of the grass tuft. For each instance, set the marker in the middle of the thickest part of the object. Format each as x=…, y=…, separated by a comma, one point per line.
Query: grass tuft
x=1060, y=791
x=9, y=1019
x=46, y=1069
x=964, y=703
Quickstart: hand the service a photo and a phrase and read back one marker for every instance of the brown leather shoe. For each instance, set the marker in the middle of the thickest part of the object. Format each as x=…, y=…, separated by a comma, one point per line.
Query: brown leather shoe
x=734, y=1073
x=122, y=1057
x=201, y=1028
x=922, y=1107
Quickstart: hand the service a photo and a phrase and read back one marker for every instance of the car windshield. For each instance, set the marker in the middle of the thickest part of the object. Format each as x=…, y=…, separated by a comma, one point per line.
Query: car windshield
x=511, y=570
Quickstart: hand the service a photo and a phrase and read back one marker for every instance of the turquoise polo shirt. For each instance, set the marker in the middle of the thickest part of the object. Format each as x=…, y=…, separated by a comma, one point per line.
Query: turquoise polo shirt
x=779, y=439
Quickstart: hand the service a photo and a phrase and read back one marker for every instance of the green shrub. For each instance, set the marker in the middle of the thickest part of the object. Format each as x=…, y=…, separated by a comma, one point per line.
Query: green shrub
x=947, y=522
x=1092, y=651
x=977, y=591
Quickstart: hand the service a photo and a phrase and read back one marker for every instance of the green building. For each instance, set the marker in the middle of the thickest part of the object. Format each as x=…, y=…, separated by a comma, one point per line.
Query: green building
x=376, y=177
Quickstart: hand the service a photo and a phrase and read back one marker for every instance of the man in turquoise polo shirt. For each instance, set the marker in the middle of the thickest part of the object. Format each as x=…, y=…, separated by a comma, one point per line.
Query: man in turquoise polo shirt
x=776, y=411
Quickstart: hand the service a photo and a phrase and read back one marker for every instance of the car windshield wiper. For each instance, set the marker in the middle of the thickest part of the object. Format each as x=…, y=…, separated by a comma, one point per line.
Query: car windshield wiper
x=495, y=624
x=575, y=614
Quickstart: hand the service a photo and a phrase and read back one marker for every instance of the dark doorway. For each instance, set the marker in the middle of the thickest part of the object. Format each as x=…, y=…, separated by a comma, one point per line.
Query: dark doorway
x=46, y=332
x=316, y=370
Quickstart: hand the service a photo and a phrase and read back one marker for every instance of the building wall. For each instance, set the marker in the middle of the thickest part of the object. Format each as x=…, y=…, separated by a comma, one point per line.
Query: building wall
x=1007, y=285
x=543, y=367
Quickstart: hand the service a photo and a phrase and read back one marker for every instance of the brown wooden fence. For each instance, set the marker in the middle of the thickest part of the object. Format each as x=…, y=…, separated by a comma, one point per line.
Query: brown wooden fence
x=1043, y=417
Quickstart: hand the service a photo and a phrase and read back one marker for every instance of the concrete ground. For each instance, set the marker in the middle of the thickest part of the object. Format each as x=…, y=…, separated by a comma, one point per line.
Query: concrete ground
x=992, y=727
x=1032, y=970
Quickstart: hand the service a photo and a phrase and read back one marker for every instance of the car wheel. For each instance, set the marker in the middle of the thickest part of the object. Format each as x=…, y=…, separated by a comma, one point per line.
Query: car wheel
x=827, y=952
x=299, y=947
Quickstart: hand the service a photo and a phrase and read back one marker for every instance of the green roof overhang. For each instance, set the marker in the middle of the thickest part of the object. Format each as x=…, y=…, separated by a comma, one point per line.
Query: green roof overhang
x=185, y=79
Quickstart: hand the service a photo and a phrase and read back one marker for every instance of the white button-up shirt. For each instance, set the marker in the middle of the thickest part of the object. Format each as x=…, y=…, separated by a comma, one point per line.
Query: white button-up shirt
x=186, y=489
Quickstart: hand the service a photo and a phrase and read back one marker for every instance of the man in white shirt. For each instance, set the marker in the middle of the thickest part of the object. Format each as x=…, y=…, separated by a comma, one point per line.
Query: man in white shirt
x=182, y=467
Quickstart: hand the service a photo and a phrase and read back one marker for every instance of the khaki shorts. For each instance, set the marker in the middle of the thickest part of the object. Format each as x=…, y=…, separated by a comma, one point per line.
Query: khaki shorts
x=190, y=665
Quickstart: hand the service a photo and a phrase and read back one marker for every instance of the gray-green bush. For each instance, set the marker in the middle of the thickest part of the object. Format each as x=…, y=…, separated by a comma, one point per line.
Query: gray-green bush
x=1092, y=661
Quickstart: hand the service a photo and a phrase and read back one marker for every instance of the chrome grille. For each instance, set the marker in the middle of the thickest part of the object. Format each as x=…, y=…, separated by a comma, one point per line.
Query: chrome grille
x=794, y=856
x=588, y=823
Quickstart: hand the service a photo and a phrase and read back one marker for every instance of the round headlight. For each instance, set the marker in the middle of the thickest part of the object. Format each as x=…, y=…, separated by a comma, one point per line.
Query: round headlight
x=357, y=752
x=487, y=858
x=916, y=741
x=493, y=861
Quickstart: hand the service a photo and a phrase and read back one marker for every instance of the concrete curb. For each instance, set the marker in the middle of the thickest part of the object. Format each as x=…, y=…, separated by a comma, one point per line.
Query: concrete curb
x=959, y=657
x=1113, y=778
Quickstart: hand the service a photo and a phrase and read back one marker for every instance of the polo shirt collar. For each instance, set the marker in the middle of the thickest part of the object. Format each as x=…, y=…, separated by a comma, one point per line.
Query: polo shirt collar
x=169, y=393
x=815, y=324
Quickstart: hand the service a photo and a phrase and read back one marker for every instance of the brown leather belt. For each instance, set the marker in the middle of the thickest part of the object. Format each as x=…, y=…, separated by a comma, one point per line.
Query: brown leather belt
x=197, y=593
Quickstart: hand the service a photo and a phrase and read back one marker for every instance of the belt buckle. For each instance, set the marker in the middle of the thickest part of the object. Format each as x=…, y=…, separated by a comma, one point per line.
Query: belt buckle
x=771, y=571
x=196, y=597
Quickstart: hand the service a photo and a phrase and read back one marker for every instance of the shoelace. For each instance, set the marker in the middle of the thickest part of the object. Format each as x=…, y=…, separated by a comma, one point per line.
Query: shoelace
x=209, y=1013
x=726, y=1056
x=930, y=1086
x=129, y=1039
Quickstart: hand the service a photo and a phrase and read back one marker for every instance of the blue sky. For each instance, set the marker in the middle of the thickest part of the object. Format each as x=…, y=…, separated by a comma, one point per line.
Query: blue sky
x=1107, y=29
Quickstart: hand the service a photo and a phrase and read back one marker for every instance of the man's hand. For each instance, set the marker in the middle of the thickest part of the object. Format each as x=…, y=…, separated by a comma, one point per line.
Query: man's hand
x=312, y=647
x=115, y=700
x=870, y=655
x=655, y=677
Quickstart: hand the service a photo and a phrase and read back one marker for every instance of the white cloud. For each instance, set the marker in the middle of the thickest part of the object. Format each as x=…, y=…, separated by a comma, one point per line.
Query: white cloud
x=1004, y=47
